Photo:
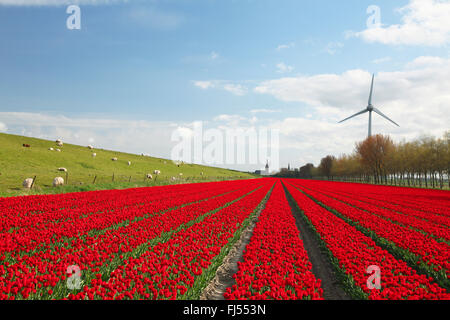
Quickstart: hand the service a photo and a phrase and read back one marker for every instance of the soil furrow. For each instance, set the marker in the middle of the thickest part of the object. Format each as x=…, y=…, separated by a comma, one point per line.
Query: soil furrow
x=224, y=275
x=321, y=266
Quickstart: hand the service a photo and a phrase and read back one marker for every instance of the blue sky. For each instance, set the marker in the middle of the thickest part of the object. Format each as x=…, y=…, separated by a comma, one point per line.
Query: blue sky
x=181, y=61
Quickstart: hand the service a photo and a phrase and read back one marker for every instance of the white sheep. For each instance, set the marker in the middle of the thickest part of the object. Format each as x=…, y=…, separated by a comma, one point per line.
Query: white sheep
x=58, y=181
x=157, y=172
x=59, y=150
x=59, y=143
x=114, y=159
x=90, y=147
x=149, y=176
x=51, y=149
x=94, y=155
x=27, y=183
x=62, y=169
x=173, y=178
x=129, y=163
x=181, y=174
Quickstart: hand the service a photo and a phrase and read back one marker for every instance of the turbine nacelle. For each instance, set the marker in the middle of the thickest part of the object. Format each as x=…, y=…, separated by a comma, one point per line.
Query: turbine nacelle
x=370, y=108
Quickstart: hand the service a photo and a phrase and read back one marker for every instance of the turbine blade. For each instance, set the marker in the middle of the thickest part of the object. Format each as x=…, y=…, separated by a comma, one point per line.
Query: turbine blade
x=357, y=114
x=384, y=116
x=371, y=90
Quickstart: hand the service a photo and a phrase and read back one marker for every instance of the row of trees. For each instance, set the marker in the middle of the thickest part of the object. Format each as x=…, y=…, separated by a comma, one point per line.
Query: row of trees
x=422, y=162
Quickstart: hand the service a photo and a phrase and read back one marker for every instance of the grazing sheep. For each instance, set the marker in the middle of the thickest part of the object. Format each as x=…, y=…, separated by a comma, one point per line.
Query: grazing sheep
x=58, y=181
x=157, y=172
x=114, y=159
x=51, y=149
x=26, y=145
x=129, y=163
x=181, y=174
x=27, y=183
x=94, y=155
x=59, y=143
x=173, y=178
x=62, y=169
x=59, y=150
x=90, y=147
x=149, y=176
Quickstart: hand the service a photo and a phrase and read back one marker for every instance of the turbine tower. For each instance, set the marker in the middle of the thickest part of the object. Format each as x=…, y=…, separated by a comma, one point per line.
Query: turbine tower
x=370, y=108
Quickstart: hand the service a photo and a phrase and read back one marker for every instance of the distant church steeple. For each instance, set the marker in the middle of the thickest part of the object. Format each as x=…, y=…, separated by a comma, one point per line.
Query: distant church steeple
x=289, y=167
x=267, y=167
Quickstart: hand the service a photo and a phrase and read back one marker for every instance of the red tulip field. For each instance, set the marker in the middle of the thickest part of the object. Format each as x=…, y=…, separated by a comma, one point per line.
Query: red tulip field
x=168, y=242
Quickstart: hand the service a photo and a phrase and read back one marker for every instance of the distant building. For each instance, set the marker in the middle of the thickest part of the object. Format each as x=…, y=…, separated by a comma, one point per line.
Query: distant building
x=264, y=172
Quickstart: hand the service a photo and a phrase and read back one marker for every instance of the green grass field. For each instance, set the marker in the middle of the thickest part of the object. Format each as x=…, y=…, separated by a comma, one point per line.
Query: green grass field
x=18, y=163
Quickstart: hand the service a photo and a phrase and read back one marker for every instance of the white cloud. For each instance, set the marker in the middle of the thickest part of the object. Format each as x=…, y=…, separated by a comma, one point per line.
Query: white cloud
x=230, y=119
x=3, y=127
x=318, y=90
x=154, y=18
x=334, y=47
x=264, y=111
x=235, y=89
x=283, y=68
x=424, y=22
x=381, y=60
x=57, y=2
x=426, y=61
x=285, y=46
x=204, y=84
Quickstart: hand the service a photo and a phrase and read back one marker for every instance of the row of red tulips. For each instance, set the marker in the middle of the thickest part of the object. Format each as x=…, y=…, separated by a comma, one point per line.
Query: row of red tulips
x=77, y=223
x=181, y=266
x=396, y=216
x=275, y=264
x=433, y=253
x=17, y=214
x=425, y=200
x=434, y=212
x=33, y=274
x=355, y=253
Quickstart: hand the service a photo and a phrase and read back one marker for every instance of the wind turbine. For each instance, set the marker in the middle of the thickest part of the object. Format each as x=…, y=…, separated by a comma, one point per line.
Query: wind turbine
x=370, y=108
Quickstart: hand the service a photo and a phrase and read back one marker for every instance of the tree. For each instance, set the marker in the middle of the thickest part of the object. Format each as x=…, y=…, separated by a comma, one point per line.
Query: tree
x=326, y=165
x=374, y=152
x=306, y=172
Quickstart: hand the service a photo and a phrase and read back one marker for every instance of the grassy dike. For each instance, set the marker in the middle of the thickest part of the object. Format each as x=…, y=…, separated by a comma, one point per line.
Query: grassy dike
x=18, y=163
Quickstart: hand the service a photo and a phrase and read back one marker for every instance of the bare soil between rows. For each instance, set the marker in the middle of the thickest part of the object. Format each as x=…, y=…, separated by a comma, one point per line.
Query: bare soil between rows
x=224, y=275
x=321, y=265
